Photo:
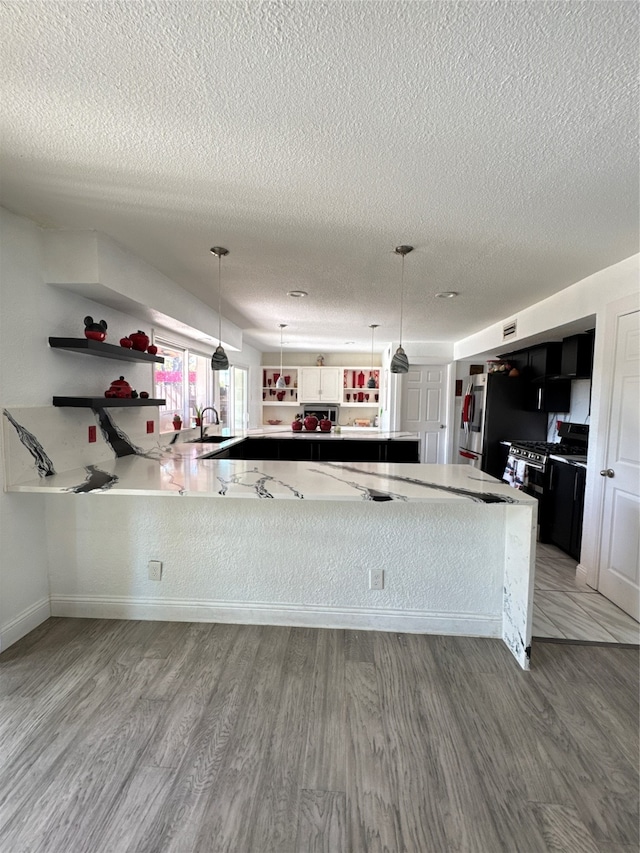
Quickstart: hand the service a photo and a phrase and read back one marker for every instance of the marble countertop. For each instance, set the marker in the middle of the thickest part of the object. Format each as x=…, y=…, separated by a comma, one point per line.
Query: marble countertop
x=177, y=470
x=578, y=461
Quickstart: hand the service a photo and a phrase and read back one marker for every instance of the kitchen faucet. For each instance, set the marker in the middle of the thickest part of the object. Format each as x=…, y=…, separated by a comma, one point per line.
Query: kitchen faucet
x=215, y=421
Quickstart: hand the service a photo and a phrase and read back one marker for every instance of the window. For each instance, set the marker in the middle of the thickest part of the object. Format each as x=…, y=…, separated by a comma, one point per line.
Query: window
x=184, y=380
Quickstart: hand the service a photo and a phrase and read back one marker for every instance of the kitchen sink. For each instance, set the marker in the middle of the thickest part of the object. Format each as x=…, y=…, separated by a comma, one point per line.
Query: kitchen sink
x=211, y=439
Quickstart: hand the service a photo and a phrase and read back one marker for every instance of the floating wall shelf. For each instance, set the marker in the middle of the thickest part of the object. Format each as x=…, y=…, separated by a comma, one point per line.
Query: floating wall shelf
x=105, y=402
x=103, y=350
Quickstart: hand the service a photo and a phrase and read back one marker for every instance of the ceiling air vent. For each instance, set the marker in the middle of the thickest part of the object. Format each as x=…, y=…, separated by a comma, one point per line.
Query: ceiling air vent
x=509, y=330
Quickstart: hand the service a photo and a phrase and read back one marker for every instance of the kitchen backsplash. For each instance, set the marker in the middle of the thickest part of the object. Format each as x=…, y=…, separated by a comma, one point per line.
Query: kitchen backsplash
x=580, y=408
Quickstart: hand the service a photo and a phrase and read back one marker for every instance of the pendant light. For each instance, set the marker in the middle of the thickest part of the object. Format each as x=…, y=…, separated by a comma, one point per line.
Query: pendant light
x=281, y=383
x=219, y=360
x=400, y=362
x=372, y=382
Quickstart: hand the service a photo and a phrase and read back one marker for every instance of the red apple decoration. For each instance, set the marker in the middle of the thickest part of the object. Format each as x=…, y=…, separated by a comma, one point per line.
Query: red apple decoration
x=296, y=425
x=139, y=340
x=310, y=423
x=126, y=342
x=152, y=349
x=144, y=395
x=325, y=425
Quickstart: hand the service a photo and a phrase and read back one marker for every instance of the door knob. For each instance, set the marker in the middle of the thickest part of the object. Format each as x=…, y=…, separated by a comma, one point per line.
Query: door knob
x=607, y=472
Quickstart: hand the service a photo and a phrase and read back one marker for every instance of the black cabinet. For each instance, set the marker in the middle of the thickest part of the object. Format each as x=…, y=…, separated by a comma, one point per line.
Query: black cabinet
x=561, y=518
x=577, y=356
x=505, y=417
x=550, y=395
x=320, y=450
x=537, y=366
x=544, y=360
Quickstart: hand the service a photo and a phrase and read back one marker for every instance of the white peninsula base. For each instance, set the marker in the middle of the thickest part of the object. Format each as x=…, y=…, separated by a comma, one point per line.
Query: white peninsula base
x=274, y=542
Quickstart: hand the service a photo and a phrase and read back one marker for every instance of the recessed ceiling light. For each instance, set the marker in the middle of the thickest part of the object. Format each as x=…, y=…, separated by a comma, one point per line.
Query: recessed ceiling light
x=297, y=293
x=347, y=343
x=447, y=294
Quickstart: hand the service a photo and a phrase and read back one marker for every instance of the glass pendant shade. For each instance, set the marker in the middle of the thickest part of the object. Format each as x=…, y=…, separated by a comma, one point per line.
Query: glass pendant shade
x=400, y=362
x=219, y=360
x=281, y=383
x=371, y=382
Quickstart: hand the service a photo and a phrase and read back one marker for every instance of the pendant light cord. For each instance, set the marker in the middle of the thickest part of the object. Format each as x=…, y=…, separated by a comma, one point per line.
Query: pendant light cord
x=281, y=327
x=373, y=328
x=401, y=298
x=220, y=300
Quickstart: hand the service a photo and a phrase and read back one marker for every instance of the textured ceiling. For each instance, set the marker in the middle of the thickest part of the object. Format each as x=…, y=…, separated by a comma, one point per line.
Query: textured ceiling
x=500, y=139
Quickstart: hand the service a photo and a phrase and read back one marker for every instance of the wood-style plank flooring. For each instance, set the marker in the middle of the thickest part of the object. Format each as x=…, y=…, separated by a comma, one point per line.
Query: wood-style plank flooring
x=196, y=738
x=563, y=609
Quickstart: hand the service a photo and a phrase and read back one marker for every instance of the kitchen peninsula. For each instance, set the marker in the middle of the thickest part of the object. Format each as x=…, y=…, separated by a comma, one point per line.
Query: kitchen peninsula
x=278, y=542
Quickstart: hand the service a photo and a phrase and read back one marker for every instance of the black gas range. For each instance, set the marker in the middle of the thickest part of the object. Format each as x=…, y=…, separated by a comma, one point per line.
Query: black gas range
x=536, y=453
x=533, y=456
x=574, y=440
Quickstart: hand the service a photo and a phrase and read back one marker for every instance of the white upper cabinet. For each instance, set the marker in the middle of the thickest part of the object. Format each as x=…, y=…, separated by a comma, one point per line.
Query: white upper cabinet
x=320, y=384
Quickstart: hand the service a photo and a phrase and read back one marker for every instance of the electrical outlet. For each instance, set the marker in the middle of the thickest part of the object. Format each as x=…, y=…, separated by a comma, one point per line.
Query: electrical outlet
x=92, y=435
x=155, y=570
x=376, y=578
x=150, y=426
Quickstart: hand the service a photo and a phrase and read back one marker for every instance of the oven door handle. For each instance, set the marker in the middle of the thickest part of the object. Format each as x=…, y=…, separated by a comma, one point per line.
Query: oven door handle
x=537, y=466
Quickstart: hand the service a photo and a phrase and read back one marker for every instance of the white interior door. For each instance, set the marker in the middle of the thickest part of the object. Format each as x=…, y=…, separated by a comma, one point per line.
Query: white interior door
x=619, y=577
x=423, y=407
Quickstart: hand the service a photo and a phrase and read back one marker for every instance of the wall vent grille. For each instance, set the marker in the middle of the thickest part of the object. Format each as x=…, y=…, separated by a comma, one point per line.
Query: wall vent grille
x=509, y=330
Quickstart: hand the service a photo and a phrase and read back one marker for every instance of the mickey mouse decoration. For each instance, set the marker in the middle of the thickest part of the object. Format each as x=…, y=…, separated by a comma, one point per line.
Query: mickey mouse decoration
x=95, y=331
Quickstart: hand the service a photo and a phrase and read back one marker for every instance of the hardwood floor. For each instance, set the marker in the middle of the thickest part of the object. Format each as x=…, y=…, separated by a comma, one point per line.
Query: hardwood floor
x=562, y=609
x=197, y=738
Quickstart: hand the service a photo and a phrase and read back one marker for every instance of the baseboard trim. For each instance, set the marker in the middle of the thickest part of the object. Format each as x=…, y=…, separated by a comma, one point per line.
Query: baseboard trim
x=252, y=613
x=582, y=576
x=24, y=623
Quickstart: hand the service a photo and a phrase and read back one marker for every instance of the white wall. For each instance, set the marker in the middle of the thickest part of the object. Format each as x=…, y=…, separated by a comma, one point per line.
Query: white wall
x=31, y=372
x=582, y=299
x=24, y=586
x=283, y=562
